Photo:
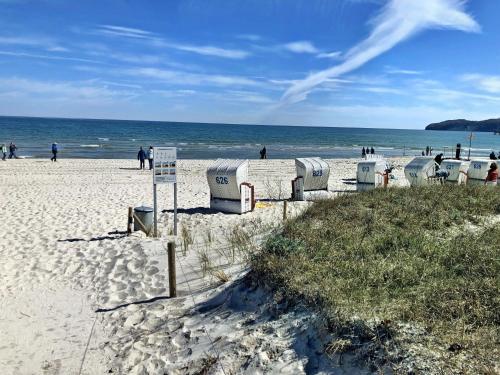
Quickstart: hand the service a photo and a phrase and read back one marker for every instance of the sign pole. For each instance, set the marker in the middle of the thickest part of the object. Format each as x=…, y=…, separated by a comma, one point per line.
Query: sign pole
x=175, y=208
x=155, y=206
x=165, y=172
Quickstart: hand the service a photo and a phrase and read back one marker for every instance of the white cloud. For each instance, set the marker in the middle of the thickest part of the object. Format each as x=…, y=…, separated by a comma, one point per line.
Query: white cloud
x=38, y=42
x=487, y=83
x=397, y=21
x=157, y=41
x=302, y=46
x=382, y=90
x=125, y=32
x=329, y=55
x=409, y=72
x=63, y=90
x=250, y=37
x=47, y=57
x=212, y=51
x=180, y=77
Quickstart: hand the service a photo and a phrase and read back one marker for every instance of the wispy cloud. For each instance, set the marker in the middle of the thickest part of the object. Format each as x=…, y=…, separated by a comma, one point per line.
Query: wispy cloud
x=329, y=55
x=157, y=41
x=128, y=32
x=249, y=37
x=489, y=83
x=47, y=57
x=39, y=42
x=391, y=70
x=63, y=90
x=397, y=21
x=302, y=46
x=185, y=78
x=211, y=51
x=382, y=90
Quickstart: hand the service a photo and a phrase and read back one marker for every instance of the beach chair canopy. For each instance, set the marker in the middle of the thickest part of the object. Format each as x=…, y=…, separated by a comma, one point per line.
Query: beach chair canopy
x=225, y=177
x=315, y=172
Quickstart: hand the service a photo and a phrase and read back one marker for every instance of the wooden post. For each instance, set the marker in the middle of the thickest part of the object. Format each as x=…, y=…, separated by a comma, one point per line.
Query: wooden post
x=285, y=205
x=143, y=227
x=172, y=283
x=130, y=221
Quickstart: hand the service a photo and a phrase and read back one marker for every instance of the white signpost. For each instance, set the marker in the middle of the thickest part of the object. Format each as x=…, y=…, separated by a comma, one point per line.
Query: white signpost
x=164, y=172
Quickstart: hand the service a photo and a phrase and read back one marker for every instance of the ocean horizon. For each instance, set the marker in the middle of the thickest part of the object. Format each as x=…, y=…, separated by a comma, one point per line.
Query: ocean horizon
x=121, y=139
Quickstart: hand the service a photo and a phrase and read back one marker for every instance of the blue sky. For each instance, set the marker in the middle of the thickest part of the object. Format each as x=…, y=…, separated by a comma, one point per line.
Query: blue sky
x=366, y=63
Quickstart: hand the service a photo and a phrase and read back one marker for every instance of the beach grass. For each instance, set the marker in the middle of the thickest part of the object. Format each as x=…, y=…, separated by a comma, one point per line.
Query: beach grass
x=427, y=256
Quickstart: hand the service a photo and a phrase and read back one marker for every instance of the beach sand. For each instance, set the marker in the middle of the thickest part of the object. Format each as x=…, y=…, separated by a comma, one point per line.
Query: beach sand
x=79, y=296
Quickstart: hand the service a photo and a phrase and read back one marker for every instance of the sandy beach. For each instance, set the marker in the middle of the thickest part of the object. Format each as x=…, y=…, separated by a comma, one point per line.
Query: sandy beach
x=80, y=297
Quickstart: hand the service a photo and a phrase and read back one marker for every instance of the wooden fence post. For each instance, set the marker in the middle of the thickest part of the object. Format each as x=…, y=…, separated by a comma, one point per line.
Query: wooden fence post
x=172, y=283
x=129, y=221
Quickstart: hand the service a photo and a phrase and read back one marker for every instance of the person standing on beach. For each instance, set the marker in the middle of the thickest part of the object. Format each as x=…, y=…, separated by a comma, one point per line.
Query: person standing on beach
x=427, y=149
x=12, y=151
x=372, y=151
x=141, y=156
x=4, y=151
x=363, y=153
x=458, y=151
x=54, y=152
x=263, y=153
x=150, y=157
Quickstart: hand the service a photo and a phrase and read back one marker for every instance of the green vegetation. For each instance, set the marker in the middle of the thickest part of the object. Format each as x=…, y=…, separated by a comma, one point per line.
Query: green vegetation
x=425, y=256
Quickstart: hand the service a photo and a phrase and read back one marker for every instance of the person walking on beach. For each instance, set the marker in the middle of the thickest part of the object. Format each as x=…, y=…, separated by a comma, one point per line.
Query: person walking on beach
x=141, y=156
x=54, y=152
x=427, y=149
x=492, y=177
x=458, y=150
x=263, y=153
x=150, y=157
x=4, y=151
x=363, y=153
x=12, y=151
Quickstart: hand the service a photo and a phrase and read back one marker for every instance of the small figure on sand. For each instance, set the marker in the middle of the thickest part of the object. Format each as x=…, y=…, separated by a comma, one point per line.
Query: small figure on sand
x=141, y=156
x=493, y=156
x=4, y=151
x=54, y=152
x=150, y=157
x=492, y=177
x=458, y=150
x=427, y=151
x=263, y=153
x=363, y=153
x=372, y=151
x=12, y=150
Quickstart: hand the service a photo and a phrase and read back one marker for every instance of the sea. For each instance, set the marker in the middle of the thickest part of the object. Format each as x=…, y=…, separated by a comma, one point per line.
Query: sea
x=118, y=139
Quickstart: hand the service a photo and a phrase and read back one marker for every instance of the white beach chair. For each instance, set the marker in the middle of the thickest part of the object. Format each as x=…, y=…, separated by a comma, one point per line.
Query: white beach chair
x=371, y=174
x=478, y=171
x=311, y=182
x=420, y=171
x=229, y=189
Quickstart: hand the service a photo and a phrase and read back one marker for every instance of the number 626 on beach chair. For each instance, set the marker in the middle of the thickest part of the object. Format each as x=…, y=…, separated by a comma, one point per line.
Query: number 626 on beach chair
x=229, y=189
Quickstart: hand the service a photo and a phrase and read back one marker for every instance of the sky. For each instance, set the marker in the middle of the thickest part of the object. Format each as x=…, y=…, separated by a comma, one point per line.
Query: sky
x=357, y=63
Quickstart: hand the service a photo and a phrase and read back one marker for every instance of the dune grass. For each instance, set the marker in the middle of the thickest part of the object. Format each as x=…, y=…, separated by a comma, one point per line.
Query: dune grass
x=422, y=256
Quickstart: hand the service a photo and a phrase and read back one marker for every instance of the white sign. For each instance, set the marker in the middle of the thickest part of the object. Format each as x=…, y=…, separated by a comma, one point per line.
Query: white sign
x=165, y=165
